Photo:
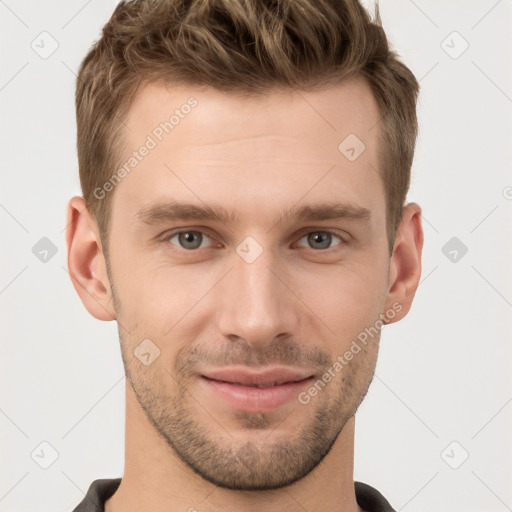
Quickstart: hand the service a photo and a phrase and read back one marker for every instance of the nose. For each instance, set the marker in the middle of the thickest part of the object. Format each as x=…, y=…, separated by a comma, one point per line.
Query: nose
x=256, y=303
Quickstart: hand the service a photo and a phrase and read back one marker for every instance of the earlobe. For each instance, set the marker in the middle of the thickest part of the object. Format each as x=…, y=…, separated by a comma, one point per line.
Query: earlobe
x=86, y=262
x=405, y=265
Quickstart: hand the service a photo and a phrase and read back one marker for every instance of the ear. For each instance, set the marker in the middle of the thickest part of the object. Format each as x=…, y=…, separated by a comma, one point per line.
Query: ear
x=86, y=262
x=405, y=264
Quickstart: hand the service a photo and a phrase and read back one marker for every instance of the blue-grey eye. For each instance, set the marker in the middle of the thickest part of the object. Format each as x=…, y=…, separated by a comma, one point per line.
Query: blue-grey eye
x=319, y=239
x=190, y=240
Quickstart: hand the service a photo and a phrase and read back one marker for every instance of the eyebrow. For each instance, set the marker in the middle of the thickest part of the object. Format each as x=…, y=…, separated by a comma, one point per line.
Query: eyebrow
x=176, y=211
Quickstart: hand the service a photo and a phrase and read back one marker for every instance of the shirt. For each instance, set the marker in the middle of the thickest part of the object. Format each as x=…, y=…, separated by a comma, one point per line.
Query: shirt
x=368, y=498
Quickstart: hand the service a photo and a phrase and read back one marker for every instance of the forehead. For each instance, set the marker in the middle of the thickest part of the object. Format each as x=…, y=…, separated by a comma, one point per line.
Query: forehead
x=349, y=108
x=212, y=146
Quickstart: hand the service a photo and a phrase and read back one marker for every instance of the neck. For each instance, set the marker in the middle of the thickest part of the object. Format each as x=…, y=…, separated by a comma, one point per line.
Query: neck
x=156, y=480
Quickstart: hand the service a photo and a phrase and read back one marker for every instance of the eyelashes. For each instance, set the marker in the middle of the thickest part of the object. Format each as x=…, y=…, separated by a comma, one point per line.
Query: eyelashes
x=191, y=240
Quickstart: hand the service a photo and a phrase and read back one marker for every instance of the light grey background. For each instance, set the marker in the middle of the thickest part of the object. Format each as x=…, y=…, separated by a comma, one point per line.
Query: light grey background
x=442, y=386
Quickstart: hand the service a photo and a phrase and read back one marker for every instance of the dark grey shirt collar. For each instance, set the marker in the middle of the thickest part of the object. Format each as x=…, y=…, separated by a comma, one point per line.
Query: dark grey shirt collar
x=368, y=498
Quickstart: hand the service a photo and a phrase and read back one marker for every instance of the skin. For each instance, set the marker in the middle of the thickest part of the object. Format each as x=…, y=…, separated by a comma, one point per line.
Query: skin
x=298, y=304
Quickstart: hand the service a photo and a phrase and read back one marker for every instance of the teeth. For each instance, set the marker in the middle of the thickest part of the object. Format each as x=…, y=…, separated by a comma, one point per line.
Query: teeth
x=264, y=386
x=261, y=386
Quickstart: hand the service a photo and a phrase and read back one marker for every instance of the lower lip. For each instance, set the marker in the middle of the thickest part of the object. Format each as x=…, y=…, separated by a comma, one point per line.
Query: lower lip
x=254, y=399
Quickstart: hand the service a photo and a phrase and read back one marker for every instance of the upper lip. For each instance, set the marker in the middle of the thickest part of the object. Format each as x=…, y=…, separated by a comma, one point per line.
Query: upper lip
x=269, y=377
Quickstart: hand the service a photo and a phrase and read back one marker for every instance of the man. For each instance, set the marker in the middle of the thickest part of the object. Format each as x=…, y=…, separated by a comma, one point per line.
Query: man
x=244, y=165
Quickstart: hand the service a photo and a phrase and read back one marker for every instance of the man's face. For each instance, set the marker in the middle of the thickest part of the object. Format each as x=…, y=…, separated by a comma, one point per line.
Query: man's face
x=233, y=297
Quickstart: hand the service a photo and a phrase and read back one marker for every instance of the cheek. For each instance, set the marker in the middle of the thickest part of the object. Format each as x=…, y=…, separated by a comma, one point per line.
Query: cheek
x=346, y=299
x=158, y=299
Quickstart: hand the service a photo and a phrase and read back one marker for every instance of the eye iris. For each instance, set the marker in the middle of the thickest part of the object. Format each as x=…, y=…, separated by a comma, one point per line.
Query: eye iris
x=317, y=238
x=190, y=238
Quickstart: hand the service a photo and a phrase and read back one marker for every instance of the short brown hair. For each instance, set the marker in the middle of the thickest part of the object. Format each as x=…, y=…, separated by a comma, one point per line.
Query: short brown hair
x=244, y=47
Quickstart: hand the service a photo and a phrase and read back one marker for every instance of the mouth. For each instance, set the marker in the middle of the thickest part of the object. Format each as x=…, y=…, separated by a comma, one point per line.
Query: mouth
x=250, y=391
